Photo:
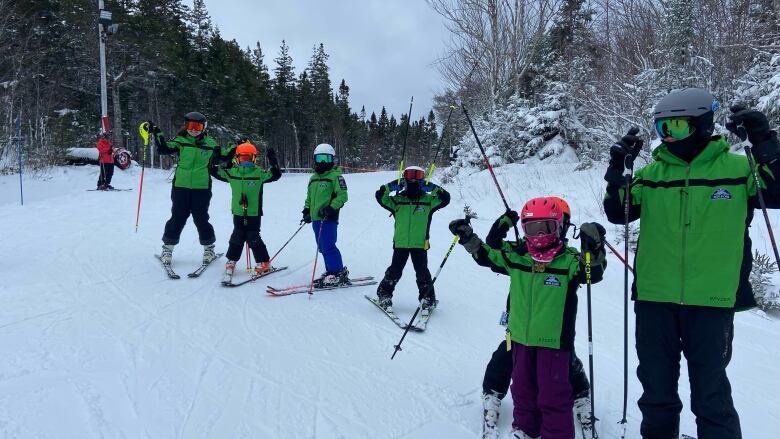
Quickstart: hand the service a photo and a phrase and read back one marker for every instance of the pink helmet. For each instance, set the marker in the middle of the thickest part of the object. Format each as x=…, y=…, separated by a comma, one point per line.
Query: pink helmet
x=542, y=221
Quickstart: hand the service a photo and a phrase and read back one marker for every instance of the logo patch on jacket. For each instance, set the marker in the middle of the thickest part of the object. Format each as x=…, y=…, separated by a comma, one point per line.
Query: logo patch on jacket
x=251, y=183
x=324, y=184
x=419, y=208
x=721, y=194
x=552, y=281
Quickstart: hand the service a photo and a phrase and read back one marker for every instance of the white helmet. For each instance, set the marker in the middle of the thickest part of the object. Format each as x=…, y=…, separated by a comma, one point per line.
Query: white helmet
x=324, y=148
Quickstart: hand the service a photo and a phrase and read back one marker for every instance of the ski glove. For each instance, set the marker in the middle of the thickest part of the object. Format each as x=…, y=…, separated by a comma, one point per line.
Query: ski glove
x=270, y=154
x=754, y=126
x=468, y=239
x=394, y=186
x=327, y=213
x=622, y=155
x=592, y=238
x=306, y=216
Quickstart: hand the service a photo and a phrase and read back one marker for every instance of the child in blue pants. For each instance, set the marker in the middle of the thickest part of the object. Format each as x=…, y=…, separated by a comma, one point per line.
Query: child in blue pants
x=326, y=195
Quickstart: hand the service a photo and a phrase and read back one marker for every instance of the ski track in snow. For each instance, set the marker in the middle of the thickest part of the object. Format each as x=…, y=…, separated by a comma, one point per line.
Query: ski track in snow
x=97, y=342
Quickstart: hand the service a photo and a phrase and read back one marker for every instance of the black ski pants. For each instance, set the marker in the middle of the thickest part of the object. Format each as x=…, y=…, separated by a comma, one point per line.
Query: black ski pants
x=246, y=229
x=188, y=202
x=106, y=173
x=704, y=335
x=498, y=374
x=395, y=270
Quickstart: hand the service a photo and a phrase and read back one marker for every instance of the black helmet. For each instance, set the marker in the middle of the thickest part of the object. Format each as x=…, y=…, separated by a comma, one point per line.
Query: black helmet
x=195, y=116
x=696, y=103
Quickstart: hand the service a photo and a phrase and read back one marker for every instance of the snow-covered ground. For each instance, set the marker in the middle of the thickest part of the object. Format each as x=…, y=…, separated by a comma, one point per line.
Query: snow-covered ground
x=96, y=342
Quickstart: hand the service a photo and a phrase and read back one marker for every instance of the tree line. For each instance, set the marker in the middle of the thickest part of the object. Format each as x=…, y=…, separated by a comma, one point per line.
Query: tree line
x=166, y=59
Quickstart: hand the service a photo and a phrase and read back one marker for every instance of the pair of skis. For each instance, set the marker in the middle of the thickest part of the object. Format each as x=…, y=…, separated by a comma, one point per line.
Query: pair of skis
x=305, y=288
x=420, y=323
x=254, y=277
x=198, y=271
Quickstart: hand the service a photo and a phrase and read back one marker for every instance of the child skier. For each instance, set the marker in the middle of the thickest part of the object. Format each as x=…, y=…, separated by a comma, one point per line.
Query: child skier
x=412, y=207
x=191, y=191
x=498, y=372
x=545, y=275
x=326, y=195
x=246, y=182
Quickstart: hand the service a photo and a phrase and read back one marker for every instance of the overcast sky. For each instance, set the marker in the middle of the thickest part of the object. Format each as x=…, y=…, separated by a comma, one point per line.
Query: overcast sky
x=384, y=49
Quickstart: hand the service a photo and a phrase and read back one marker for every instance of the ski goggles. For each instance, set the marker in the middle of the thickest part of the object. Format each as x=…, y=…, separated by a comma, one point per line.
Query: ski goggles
x=540, y=227
x=323, y=158
x=245, y=158
x=414, y=175
x=194, y=125
x=674, y=127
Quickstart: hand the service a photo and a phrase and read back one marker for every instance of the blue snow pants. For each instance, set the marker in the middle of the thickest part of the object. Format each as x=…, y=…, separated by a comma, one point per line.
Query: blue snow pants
x=331, y=254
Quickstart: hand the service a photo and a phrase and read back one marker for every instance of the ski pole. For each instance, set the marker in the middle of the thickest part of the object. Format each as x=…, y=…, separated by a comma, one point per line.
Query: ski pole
x=316, y=257
x=19, y=153
x=619, y=256
x=628, y=163
x=447, y=123
x=143, y=130
x=487, y=163
x=406, y=134
x=438, y=148
x=248, y=264
x=285, y=244
x=761, y=202
x=419, y=307
x=590, y=346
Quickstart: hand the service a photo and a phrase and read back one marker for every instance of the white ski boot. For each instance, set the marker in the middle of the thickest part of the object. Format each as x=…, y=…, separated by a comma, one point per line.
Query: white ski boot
x=166, y=256
x=230, y=267
x=491, y=404
x=209, y=254
x=582, y=414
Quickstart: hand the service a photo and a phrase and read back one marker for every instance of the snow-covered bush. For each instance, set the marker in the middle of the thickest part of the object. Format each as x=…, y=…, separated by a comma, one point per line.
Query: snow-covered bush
x=767, y=297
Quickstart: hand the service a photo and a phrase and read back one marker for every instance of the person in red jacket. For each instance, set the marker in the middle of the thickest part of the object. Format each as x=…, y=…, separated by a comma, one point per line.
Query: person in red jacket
x=106, y=160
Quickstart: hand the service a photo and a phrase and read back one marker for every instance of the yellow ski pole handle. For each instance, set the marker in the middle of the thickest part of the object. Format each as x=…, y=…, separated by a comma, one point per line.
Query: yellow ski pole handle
x=143, y=130
x=430, y=173
x=400, y=172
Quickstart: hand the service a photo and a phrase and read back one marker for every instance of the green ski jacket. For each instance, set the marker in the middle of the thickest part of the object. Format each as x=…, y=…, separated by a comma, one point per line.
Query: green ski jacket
x=326, y=189
x=412, y=215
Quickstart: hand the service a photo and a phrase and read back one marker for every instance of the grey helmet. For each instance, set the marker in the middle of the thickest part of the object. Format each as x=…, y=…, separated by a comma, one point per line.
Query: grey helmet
x=195, y=116
x=696, y=103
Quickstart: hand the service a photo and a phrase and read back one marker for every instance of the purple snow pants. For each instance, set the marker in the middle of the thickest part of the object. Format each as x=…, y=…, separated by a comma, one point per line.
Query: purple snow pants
x=541, y=392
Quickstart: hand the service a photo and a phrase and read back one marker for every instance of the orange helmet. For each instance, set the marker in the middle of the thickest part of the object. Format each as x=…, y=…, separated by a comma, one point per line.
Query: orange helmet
x=246, y=152
x=566, y=213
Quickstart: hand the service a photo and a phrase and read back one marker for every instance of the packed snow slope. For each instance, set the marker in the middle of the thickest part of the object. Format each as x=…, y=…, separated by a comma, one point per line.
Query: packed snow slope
x=96, y=341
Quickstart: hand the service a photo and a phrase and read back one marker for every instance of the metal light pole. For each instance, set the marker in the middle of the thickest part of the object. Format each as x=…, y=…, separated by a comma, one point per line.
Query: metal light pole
x=104, y=20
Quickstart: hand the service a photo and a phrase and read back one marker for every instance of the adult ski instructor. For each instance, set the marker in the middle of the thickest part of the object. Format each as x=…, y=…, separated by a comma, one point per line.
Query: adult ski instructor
x=191, y=189
x=695, y=202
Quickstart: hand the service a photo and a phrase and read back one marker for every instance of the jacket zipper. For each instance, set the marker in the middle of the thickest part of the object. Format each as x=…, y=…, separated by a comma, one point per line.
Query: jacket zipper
x=685, y=225
x=530, y=302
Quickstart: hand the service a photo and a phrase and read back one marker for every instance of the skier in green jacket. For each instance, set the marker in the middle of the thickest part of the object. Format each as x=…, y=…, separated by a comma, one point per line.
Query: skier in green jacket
x=545, y=275
x=191, y=189
x=695, y=201
x=246, y=183
x=412, y=207
x=325, y=196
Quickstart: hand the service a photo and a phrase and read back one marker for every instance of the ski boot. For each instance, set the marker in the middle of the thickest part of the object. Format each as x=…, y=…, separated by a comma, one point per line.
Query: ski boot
x=102, y=187
x=385, y=301
x=262, y=267
x=491, y=404
x=208, y=253
x=111, y=188
x=518, y=434
x=230, y=268
x=582, y=414
x=166, y=256
x=427, y=305
x=329, y=280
